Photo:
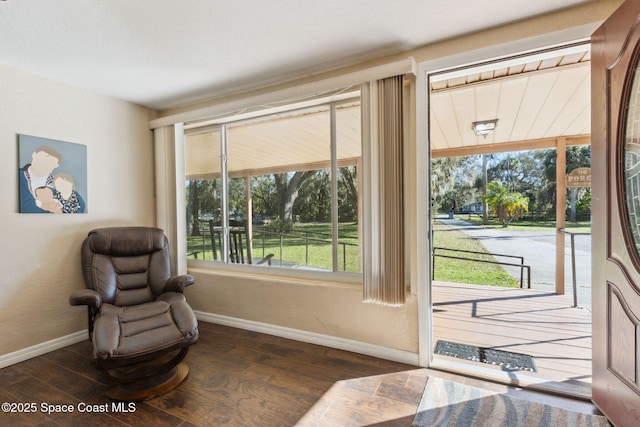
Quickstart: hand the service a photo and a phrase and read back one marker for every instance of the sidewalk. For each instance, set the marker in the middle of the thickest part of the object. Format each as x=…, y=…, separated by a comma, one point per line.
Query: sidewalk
x=539, y=251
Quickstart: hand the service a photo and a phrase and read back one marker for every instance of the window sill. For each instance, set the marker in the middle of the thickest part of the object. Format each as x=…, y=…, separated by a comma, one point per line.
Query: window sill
x=273, y=273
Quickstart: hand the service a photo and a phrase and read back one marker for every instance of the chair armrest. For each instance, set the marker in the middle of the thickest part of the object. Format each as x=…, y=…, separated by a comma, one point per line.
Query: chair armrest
x=86, y=297
x=178, y=283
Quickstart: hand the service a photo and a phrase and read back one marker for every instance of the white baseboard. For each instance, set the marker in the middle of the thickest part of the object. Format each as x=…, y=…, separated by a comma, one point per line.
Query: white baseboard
x=373, y=350
x=42, y=348
x=381, y=352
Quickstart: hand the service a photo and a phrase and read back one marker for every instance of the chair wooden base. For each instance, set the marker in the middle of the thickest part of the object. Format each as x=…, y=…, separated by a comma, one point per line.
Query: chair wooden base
x=148, y=387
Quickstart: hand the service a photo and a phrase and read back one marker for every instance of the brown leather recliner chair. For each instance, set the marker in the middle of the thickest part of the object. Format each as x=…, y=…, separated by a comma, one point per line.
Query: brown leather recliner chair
x=139, y=321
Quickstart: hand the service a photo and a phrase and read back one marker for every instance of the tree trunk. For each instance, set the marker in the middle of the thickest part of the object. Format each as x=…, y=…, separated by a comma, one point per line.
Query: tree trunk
x=288, y=192
x=349, y=180
x=192, y=209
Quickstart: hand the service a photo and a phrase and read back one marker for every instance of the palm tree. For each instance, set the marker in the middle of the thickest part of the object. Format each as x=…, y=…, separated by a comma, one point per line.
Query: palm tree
x=507, y=205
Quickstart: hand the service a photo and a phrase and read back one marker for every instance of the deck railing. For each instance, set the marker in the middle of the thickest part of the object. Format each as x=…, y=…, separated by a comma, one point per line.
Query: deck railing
x=521, y=265
x=260, y=234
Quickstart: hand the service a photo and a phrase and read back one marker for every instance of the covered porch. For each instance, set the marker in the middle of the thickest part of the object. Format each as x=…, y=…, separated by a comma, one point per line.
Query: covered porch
x=533, y=322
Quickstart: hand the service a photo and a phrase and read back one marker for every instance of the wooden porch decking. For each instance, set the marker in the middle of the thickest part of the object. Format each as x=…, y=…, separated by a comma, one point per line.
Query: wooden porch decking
x=533, y=322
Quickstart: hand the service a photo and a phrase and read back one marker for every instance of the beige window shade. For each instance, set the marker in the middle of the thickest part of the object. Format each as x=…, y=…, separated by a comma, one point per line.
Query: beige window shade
x=383, y=161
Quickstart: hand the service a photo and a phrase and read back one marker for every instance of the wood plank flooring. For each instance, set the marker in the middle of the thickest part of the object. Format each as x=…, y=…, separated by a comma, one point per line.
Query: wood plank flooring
x=238, y=378
x=541, y=324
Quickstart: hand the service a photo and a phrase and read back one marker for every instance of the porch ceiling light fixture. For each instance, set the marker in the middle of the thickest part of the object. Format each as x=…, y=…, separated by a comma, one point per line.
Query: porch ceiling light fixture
x=485, y=127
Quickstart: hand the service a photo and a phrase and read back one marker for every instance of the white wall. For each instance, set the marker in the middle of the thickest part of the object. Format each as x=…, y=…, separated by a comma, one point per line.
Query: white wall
x=39, y=255
x=329, y=308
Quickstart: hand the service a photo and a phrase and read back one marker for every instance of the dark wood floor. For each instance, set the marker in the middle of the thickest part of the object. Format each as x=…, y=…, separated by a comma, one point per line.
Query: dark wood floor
x=237, y=378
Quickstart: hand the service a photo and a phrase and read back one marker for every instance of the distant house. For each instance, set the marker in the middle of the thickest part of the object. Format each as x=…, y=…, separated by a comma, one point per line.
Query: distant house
x=475, y=207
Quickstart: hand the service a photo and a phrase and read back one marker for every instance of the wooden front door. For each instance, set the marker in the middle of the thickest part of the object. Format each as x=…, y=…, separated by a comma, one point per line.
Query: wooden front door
x=615, y=139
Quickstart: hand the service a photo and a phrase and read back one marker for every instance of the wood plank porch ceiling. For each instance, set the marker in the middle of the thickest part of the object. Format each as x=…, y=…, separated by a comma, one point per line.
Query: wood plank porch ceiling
x=535, y=102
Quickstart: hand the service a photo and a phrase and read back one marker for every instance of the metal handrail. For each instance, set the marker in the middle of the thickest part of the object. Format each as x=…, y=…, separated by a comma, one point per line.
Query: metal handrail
x=205, y=233
x=306, y=239
x=573, y=259
x=522, y=266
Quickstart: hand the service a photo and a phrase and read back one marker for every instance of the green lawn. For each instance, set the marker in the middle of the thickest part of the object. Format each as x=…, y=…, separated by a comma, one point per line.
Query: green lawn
x=464, y=271
x=310, y=245
x=306, y=244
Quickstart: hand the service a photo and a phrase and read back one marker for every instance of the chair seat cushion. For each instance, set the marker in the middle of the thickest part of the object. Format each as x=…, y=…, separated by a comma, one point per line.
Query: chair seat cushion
x=129, y=332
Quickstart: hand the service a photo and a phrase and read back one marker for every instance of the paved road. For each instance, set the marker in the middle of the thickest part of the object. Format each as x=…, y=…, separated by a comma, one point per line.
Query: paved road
x=539, y=251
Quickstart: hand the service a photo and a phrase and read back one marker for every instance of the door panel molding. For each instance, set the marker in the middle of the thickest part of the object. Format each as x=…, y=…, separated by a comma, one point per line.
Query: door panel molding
x=623, y=328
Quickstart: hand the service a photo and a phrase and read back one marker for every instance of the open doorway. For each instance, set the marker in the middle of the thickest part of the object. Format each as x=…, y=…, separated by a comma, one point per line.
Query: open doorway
x=507, y=304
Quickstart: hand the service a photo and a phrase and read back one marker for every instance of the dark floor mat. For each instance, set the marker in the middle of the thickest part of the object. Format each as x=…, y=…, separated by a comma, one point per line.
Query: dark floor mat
x=506, y=359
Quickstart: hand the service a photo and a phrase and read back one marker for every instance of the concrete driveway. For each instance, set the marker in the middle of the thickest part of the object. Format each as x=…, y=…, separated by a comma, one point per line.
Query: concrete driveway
x=539, y=251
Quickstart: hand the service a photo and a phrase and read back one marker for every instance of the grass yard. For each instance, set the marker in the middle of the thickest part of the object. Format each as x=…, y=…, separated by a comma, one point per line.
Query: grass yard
x=309, y=245
x=306, y=245
x=463, y=271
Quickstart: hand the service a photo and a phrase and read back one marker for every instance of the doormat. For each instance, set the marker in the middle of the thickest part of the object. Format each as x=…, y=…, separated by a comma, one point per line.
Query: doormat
x=506, y=359
x=447, y=403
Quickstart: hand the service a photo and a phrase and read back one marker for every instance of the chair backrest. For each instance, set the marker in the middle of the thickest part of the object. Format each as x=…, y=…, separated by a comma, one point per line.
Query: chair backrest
x=238, y=241
x=126, y=265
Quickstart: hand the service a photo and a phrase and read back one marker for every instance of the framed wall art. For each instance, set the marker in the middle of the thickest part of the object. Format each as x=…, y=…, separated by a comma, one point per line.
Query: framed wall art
x=52, y=176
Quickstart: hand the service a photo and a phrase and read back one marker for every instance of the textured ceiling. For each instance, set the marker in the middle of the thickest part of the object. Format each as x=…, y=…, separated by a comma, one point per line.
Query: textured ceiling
x=167, y=53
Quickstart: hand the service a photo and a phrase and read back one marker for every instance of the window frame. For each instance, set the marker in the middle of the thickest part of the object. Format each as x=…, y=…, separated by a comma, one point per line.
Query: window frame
x=223, y=124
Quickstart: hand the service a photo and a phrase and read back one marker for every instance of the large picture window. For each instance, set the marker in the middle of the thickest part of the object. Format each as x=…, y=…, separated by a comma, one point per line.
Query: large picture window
x=278, y=191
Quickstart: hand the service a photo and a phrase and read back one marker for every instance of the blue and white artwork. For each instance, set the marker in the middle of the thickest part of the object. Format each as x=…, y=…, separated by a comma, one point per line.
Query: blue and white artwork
x=52, y=176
